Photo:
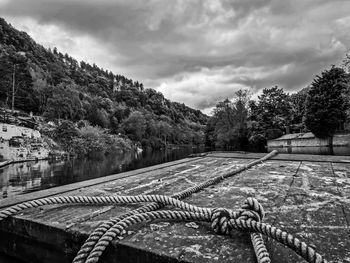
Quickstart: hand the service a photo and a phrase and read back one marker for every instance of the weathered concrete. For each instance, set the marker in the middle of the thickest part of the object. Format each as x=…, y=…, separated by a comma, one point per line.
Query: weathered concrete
x=310, y=199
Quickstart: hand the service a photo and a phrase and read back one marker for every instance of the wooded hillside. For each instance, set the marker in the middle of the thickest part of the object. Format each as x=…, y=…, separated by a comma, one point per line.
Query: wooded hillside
x=58, y=87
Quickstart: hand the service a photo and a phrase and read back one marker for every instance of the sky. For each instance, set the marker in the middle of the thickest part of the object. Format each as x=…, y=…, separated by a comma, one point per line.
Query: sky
x=197, y=52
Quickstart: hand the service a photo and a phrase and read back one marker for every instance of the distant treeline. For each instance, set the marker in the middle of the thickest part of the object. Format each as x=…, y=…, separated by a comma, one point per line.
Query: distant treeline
x=322, y=108
x=56, y=86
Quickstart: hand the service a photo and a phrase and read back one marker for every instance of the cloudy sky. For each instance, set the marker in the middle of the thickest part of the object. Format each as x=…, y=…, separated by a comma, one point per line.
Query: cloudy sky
x=194, y=51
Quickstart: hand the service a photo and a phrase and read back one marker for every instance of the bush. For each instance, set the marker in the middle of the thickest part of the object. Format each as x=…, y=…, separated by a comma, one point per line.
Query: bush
x=88, y=140
x=94, y=140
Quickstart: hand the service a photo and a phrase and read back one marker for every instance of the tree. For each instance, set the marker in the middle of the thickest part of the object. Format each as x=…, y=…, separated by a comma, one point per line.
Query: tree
x=64, y=103
x=346, y=96
x=241, y=104
x=65, y=133
x=346, y=92
x=5, y=80
x=42, y=92
x=164, y=131
x=228, y=127
x=272, y=113
x=210, y=133
x=15, y=81
x=298, y=101
x=135, y=126
x=99, y=117
x=325, y=105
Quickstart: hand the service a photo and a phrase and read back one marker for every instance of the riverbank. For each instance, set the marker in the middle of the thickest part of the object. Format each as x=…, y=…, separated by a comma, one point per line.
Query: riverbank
x=306, y=198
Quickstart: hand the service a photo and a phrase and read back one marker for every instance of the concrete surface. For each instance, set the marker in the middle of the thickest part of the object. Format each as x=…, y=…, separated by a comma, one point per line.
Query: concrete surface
x=309, y=196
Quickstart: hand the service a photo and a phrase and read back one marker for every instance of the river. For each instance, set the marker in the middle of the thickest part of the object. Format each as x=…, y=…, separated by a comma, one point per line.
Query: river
x=25, y=177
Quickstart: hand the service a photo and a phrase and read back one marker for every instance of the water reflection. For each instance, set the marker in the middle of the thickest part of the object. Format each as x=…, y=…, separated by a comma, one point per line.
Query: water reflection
x=26, y=177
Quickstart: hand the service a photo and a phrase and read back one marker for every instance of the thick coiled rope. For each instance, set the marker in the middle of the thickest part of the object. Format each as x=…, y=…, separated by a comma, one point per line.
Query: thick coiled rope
x=97, y=234
x=223, y=221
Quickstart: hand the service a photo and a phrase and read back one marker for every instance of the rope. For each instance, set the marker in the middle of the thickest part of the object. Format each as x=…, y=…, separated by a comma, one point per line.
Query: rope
x=223, y=223
x=104, y=241
x=96, y=235
x=101, y=200
x=222, y=220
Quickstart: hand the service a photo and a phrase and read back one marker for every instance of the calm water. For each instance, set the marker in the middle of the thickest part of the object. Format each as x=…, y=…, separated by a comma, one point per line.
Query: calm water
x=26, y=177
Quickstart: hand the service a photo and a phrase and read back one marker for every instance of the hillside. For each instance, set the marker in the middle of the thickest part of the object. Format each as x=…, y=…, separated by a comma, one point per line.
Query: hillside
x=58, y=87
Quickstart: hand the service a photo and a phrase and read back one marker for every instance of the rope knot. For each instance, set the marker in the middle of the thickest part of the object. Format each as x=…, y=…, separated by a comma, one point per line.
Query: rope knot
x=220, y=217
x=220, y=220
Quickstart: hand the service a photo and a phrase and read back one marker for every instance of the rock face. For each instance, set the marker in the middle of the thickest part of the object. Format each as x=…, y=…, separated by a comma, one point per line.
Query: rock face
x=7, y=131
x=308, y=196
x=19, y=143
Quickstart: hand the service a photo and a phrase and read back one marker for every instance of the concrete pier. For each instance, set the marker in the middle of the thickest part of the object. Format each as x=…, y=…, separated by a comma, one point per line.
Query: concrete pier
x=306, y=195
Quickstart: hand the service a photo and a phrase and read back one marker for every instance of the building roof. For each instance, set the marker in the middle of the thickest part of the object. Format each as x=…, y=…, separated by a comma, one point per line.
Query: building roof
x=302, y=135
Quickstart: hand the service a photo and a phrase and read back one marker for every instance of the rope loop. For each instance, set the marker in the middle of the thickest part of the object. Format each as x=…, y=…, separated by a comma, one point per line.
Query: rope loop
x=252, y=204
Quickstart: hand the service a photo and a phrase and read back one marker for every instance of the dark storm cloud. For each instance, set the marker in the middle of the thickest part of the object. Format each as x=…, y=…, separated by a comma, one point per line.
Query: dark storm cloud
x=195, y=51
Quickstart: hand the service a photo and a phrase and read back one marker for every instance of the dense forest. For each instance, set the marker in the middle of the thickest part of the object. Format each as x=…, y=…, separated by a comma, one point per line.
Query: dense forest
x=322, y=108
x=88, y=100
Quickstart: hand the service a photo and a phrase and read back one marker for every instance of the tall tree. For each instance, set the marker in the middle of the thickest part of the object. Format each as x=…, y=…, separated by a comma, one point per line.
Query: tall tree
x=346, y=92
x=298, y=101
x=325, y=105
x=272, y=112
x=15, y=80
x=228, y=127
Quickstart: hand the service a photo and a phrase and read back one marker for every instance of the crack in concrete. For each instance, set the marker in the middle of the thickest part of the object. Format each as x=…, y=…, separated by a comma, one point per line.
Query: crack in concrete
x=270, y=244
x=288, y=192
